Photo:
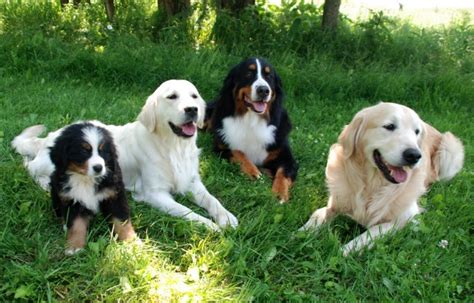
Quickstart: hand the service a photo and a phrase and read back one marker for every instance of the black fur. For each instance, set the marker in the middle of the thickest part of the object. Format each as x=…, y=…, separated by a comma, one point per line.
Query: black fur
x=224, y=106
x=68, y=148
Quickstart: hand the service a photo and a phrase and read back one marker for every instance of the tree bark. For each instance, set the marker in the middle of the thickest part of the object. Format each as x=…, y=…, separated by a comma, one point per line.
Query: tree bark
x=110, y=9
x=173, y=7
x=331, y=14
x=234, y=5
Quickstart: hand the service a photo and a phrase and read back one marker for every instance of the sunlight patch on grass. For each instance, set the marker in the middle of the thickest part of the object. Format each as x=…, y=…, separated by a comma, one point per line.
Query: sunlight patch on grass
x=144, y=273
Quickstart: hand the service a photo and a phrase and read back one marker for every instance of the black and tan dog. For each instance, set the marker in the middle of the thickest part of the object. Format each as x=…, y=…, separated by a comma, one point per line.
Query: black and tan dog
x=250, y=125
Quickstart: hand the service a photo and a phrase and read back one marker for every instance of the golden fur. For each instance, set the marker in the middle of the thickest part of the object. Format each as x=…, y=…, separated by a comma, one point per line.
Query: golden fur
x=358, y=187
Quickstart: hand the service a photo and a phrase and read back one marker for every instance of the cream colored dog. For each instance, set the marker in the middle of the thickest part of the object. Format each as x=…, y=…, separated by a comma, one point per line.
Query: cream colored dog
x=383, y=162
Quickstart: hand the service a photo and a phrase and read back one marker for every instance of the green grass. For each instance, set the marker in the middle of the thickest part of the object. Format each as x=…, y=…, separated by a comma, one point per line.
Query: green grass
x=52, y=74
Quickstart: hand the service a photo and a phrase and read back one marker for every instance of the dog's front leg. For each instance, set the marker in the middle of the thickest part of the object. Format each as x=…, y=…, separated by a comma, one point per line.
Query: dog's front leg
x=76, y=235
x=366, y=239
x=247, y=166
x=204, y=199
x=320, y=216
x=165, y=202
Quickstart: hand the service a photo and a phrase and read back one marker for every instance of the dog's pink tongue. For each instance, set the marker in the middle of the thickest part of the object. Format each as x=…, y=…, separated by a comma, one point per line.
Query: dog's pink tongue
x=189, y=128
x=399, y=174
x=259, y=106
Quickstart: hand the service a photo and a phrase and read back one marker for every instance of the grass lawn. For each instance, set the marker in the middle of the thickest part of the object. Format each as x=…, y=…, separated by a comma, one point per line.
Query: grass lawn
x=47, y=77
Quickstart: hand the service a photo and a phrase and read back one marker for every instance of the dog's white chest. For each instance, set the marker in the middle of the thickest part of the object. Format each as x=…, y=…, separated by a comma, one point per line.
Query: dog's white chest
x=82, y=190
x=184, y=168
x=250, y=134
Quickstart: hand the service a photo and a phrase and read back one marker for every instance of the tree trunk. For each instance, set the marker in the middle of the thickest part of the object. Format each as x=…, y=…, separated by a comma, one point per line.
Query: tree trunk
x=331, y=14
x=173, y=7
x=234, y=5
x=110, y=9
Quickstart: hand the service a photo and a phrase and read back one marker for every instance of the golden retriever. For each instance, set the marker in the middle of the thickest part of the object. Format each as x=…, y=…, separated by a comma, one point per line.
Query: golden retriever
x=383, y=162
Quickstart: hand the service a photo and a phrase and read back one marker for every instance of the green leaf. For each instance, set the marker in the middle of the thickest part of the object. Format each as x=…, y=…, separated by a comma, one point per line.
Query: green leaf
x=438, y=198
x=388, y=283
x=23, y=291
x=270, y=254
x=309, y=265
x=277, y=218
x=94, y=246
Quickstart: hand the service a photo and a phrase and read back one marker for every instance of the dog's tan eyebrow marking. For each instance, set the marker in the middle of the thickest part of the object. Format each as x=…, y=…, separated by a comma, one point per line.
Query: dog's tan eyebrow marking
x=267, y=69
x=252, y=67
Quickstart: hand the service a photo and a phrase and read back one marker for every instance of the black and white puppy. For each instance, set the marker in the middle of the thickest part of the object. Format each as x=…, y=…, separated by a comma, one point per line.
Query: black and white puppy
x=86, y=179
x=251, y=126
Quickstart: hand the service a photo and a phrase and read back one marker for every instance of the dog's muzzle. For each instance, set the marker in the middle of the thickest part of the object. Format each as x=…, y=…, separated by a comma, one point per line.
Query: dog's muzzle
x=394, y=174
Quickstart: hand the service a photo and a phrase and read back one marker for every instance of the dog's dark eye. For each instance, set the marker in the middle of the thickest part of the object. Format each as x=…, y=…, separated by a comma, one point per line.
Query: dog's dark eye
x=172, y=97
x=86, y=146
x=390, y=126
x=249, y=74
x=101, y=147
x=417, y=131
x=194, y=96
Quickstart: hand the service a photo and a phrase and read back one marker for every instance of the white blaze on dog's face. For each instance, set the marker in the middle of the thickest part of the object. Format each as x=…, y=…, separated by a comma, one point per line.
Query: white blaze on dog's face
x=390, y=137
x=261, y=90
x=94, y=142
x=176, y=107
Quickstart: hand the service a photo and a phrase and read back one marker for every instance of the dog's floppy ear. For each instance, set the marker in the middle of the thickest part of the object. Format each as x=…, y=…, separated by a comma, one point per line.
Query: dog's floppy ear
x=351, y=134
x=229, y=81
x=59, y=153
x=225, y=102
x=147, y=116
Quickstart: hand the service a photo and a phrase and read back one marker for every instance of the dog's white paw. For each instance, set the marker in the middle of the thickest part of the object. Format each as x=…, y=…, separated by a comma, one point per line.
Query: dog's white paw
x=227, y=219
x=73, y=250
x=310, y=225
x=44, y=182
x=209, y=224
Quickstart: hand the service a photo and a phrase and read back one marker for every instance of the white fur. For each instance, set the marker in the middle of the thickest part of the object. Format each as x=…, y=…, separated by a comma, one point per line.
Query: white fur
x=27, y=143
x=155, y=162
x=82, y=190
x=250, y=134
x=449, y=156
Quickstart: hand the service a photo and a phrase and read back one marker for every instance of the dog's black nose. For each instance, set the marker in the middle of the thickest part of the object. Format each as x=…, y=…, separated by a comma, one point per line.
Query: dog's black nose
x=411, y=155
x=191, y=111
x=263, y=91
x=97, y=168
